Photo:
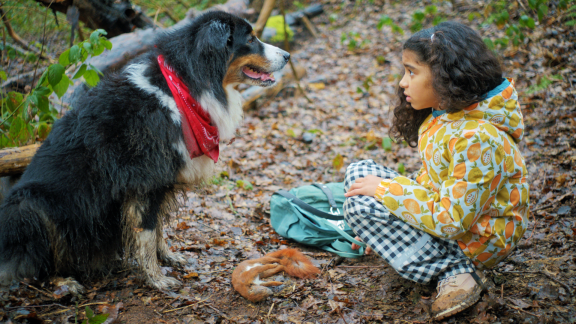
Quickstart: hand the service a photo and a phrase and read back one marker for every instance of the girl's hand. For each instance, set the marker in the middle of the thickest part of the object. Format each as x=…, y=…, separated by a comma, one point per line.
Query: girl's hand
x=356, y=246
x=364, y=186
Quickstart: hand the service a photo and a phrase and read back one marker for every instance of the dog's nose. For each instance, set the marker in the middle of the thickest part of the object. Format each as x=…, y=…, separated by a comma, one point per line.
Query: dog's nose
x=285, y=55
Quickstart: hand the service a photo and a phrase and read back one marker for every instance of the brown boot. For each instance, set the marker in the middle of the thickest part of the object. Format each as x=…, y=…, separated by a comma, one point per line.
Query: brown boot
x=455, y=294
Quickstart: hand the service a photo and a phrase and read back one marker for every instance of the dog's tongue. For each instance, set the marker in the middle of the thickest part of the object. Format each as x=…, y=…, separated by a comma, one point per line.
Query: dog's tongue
x=257, y=75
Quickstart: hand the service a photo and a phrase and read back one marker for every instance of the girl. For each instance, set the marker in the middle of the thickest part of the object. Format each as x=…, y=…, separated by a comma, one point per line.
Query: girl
x=466, y=209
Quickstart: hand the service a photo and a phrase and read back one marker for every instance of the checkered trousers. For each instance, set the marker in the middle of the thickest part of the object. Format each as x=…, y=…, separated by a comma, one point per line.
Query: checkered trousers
x=414, y=254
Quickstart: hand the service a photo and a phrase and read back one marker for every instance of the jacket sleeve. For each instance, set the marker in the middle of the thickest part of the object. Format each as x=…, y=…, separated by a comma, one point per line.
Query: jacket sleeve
x=476, y=170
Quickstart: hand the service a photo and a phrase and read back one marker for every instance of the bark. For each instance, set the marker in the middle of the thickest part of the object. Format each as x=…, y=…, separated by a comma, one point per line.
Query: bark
x=13, y=161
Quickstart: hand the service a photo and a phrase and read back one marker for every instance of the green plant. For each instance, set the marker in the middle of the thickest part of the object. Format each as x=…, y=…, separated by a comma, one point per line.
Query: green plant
x=515, y=29
x=570, y=16
x=27, y=117
x=353, y=40
x=365, y=85
x=387, y=21
x=543, y=83
x=418, y=18
x=94, y=319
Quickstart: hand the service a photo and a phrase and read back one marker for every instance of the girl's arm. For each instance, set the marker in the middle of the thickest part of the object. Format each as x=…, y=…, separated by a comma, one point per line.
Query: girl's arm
x=477, y=169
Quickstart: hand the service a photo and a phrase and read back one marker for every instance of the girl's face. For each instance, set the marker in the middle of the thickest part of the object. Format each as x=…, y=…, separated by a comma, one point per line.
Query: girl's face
x=417, y=82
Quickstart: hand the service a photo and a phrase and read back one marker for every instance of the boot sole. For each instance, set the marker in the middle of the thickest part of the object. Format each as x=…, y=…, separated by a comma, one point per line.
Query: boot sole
x=460, y=307
x=475, y=296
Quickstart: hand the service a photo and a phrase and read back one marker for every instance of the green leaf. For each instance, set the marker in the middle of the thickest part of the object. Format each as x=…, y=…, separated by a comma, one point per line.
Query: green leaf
x=43, y=130
x=542, y=11
x=94, y=38
x=14, y=100
x=96, y=69
x=88, y=47
x=387, y=144
x=15, y=127
x=91, y=77
x=80, y=72
x=42, y=91
x=3, y=75
x=55, y=73
x=415, y=27
x=31, y=57
x=98, y=49
x=43, y=103
x=62, y=86
x=437, y=20
x=74, y=54
x=570, y=23
x=107, y=44
x=338, y=162
x=99, y=319
x=64, y=58
x=418, y=16
x=431, y=9
x=401, y=168
x=533, y=3
x=397, y=29
x=11, y=53
x=89, y=312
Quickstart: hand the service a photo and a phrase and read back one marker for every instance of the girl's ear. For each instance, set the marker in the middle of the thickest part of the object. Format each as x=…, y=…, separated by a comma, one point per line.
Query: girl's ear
x=213, y=37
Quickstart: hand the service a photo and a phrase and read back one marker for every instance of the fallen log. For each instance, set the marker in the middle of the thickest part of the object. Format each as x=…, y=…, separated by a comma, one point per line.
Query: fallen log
x=13, y=161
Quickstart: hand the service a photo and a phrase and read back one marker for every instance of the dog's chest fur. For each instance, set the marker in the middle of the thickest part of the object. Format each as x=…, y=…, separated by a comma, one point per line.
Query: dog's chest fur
x=225, y=118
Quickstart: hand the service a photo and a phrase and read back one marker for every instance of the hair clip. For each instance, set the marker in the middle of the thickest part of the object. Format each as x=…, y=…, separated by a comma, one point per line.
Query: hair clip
x=432, y=37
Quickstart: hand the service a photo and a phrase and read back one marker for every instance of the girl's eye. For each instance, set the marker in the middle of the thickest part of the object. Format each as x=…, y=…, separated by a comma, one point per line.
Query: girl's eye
x=411, y=73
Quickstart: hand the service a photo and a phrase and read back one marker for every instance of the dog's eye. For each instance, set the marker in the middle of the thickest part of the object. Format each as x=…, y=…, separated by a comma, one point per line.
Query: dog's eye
x=250, y=39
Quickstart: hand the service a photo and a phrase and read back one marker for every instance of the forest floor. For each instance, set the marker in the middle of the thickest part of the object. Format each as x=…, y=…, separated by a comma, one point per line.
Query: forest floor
x=288, y=142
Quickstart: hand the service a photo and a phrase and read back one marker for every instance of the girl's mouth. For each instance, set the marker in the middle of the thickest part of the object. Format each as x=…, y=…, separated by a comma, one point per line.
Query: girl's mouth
x=408, y=98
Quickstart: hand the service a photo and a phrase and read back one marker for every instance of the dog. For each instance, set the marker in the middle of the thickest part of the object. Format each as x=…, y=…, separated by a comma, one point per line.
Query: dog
x=107, y=177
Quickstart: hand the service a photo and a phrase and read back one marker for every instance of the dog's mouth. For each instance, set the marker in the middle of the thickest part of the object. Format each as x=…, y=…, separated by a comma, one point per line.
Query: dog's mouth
x=258, y=75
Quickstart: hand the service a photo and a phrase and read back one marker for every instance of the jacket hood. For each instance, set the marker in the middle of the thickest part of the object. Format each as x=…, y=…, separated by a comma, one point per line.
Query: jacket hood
x=500, y=108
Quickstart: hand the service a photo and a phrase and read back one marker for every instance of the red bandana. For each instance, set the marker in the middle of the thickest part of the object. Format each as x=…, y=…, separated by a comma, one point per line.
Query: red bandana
x=199, y=134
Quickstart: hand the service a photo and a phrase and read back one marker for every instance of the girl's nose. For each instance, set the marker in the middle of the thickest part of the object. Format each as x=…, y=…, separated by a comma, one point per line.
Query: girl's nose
x=404, y=82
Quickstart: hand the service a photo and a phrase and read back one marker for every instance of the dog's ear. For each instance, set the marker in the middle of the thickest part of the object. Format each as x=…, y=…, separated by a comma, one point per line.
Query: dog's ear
x=213, y=37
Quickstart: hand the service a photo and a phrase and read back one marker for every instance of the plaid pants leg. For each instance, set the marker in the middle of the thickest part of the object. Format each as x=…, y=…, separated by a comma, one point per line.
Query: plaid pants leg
x=414, y=254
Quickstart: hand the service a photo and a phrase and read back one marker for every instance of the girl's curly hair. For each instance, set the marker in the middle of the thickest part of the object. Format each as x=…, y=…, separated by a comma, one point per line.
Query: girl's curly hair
x=463, y=71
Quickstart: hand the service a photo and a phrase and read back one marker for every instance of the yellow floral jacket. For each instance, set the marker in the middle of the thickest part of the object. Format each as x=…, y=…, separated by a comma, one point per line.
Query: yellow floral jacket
x=472, y=186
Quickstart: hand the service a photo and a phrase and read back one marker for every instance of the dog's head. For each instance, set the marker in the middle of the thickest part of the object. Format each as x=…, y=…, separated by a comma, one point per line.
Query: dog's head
x=223, y=48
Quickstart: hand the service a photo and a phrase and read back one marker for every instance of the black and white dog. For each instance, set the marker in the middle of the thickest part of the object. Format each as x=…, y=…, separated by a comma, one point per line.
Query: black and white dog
x=106, y=178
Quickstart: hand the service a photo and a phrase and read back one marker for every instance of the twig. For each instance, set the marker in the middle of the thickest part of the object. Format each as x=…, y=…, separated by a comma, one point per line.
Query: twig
x=39, y=290
x=533, y=227
x=287, y=46
x=543, y=207
x=43, y=40
x=270, y=311
x=170, y=303
x=215, y=271
x=198, y=302
x=309, y=26
x=34, y=306
x=568, y=289
x=520, y=309
x=502, y=291
x=263, y=17
x=219, y=312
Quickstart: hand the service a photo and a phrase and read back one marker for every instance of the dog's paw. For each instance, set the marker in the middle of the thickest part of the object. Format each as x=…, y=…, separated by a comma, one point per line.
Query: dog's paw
x=175, y=259
x=163, y=282
x=74, y=287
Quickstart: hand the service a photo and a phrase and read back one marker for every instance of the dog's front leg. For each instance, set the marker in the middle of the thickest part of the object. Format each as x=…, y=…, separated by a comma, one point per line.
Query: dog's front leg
x=147, y=259
x=164, y=253
x=142, y=226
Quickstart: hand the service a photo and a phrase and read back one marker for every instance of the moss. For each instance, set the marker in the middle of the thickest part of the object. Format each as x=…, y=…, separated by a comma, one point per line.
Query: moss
x=277, y=22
